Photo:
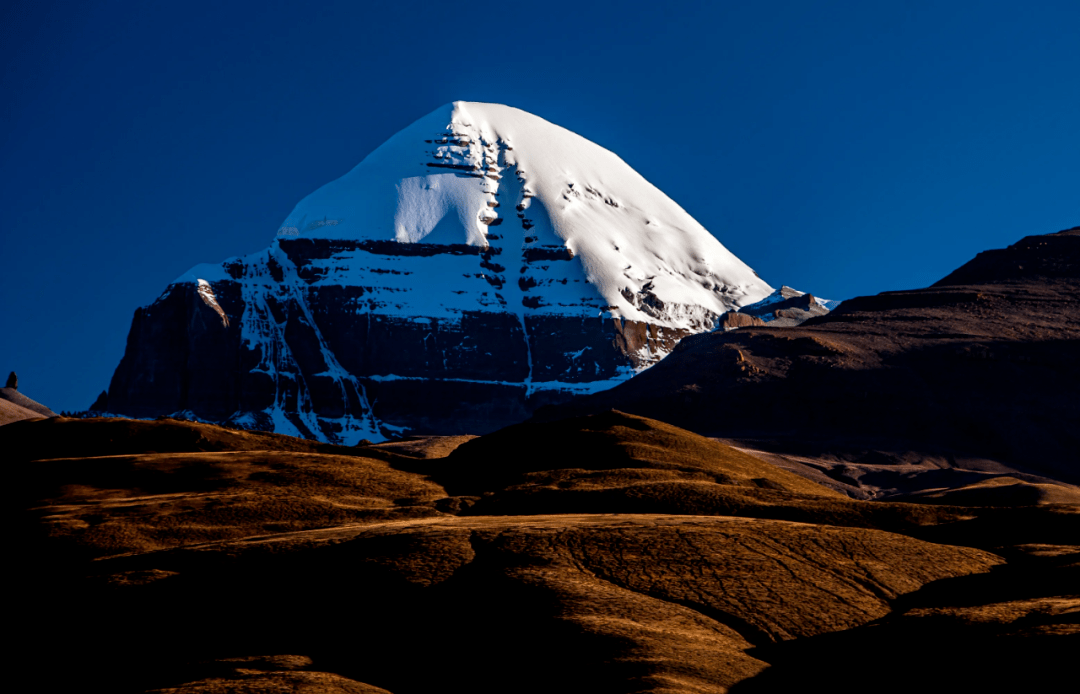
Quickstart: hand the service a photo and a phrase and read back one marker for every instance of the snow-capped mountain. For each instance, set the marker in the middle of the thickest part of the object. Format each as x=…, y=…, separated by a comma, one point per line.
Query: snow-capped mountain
x=480, y=263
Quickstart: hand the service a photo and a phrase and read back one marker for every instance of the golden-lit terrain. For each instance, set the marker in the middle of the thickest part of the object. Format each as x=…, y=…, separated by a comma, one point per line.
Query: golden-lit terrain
x=609, y=553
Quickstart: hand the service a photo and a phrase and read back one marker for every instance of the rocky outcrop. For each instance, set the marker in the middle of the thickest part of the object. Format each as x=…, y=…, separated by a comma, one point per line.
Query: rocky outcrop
x=787, y=307
x=314, y=364
x=735, y=319
x=101, y=404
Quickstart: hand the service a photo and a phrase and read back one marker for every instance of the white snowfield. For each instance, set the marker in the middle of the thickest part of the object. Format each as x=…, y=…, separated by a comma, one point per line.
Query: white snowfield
x=625, y=232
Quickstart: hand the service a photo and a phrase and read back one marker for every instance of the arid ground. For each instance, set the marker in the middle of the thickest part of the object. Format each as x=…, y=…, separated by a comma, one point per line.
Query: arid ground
x=608, y=553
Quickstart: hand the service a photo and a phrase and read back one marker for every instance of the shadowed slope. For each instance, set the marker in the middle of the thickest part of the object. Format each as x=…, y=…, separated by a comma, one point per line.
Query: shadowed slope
x=62, y=437
x=621, y=445
x=251, y=483
x=619, y=463
x=1014, y=629
x=979, y=376
x=602, y=604
x=150, y=485
x=136, y=503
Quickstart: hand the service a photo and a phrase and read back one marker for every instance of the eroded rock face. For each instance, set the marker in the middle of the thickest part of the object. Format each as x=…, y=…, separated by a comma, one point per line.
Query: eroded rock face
x=480, y=264
x=317, y=363
x=735, y=319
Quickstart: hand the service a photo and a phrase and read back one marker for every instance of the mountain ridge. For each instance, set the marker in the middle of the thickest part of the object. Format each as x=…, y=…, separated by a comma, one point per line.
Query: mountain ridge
x=926, y=388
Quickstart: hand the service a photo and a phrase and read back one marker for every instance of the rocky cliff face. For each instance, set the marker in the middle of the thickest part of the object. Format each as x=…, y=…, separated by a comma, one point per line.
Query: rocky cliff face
x=481, y=263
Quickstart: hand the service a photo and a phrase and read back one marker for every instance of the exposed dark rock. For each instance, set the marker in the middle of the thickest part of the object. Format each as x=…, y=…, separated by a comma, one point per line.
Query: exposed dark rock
x=636, y=339
x=1053, y=256
x=449, y=377
x=329, y=359
x=786, y=308
x=12, y=381
x=546, y=253
x=102, y=402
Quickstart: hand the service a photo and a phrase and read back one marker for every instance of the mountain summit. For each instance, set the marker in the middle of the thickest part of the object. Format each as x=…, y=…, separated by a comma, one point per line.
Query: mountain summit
x=478, y=264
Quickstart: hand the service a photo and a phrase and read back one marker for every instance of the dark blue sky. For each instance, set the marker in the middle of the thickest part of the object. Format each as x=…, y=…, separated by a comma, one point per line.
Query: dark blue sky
x=843, y=148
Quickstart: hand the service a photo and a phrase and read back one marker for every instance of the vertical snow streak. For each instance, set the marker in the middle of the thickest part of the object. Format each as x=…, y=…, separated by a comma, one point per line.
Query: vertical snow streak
x=369, y=424
x=508, y=194
x=260, y=330
x=528, y=354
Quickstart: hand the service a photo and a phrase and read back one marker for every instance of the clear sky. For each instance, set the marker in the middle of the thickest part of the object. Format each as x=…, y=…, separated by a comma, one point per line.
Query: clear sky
x=843, y=148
